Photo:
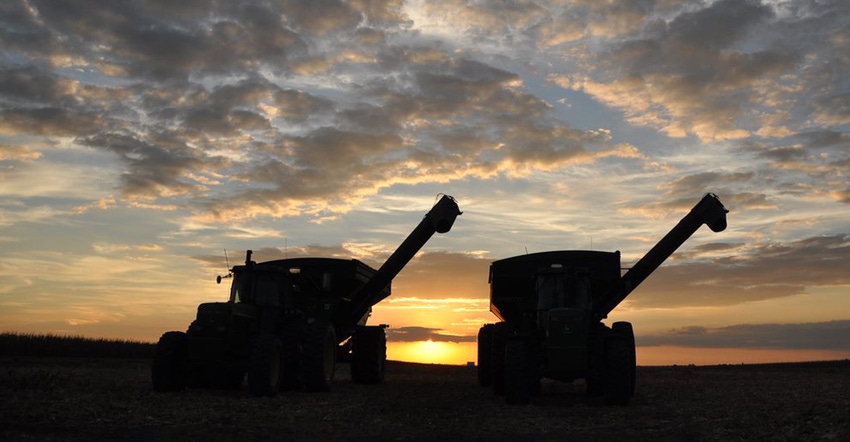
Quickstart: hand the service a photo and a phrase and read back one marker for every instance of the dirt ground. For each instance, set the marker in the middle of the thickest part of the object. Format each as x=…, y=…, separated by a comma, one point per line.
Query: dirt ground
x=89, y=399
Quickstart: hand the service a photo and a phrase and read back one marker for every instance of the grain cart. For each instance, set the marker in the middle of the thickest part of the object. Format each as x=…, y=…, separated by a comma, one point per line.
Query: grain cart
x=551, y=306
x=287, y=319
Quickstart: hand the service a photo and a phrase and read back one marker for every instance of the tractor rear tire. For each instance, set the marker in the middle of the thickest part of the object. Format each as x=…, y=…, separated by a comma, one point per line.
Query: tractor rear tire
x=618, y=373
x=519, y=374
x=626, y=330
x=368, y=355
x=291, y=336
x=264, y=371
x=168, y=370
x=319, y=356
x=497, y=357
x=485, y=351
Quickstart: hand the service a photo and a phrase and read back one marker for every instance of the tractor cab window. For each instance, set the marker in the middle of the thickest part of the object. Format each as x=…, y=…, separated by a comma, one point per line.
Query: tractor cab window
x=268, y=288
x=559, y=287
x=550, y=290
x=240, y=290
x=582, y=293
x=258, y=288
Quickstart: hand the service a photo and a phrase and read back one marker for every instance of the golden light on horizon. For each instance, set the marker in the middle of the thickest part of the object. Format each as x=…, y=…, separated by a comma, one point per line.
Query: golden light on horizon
x=432, y=352
x=454, y=353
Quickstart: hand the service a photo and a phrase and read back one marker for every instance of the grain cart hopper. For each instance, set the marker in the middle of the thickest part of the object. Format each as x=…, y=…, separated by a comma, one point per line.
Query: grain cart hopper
x=287, y=319
x=551, y=306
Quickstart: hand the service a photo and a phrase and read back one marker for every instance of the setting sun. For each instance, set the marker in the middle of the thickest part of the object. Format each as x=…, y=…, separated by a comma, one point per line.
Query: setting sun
x=432, y=352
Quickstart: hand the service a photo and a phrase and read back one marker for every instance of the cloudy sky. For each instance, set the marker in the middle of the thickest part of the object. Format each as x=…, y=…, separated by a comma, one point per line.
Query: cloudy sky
x=139, y=140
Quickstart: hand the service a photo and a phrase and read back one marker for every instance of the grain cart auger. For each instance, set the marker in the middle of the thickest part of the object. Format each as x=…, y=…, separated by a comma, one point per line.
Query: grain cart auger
x=551, y=306
x=286, y=321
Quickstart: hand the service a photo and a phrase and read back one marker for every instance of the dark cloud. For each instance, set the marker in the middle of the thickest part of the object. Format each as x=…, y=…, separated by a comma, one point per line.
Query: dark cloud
x=757, y=272
x=718, y=26
x=809, y=336
x=300, y=106
x=29, y=85
x=154, y=168
x=50, y=121
x=191, y=84
x=418, y=334
x=218, y=89
x=825, y=139
x=320, y=17
x=812, y=162
x=161, y=42
x=724, y=70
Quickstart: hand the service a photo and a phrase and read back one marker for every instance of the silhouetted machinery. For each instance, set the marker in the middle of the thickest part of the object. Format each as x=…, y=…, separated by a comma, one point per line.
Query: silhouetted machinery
x=552, y=304
x=287, y=320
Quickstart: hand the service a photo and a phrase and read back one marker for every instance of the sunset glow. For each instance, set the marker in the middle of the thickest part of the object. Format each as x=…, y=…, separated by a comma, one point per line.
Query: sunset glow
x=430, y=352
x=145, y=146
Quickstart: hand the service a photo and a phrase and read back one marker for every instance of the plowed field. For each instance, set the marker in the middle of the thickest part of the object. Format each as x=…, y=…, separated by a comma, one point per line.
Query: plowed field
x=99, y=399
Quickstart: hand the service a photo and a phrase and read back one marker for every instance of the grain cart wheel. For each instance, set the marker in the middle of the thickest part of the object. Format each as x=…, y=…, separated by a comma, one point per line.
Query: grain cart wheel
x=264, y=371
x=168, y=371
x=319, y=356
x=618, y=372
x=497, y=357
x=485, y=350
x=625, y=329
x=519, y=373
x=368, y=355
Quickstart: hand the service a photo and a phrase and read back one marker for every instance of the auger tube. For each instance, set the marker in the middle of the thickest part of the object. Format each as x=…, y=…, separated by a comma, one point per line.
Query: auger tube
x=709, y=211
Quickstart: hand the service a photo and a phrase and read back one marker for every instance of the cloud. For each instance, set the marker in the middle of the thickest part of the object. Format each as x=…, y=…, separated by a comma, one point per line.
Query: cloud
x=756, y=272
x=813, y=163
x=415, y=334
x=820, y=335
x=200, y=99
x=17, y=153
x=156, y=168
x=722, y=71
x=562, y=123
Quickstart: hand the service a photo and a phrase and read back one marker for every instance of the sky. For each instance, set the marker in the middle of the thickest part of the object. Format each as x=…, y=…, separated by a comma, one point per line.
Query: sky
x=145, y=145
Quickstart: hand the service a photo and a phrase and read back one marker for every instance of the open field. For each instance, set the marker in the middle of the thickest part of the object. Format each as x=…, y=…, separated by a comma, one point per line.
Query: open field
x=108, y=399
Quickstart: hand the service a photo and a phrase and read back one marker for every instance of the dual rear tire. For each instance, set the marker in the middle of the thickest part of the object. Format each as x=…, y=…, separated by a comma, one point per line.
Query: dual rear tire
x=291, y=363
x=507, y=363
x=520, y=379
